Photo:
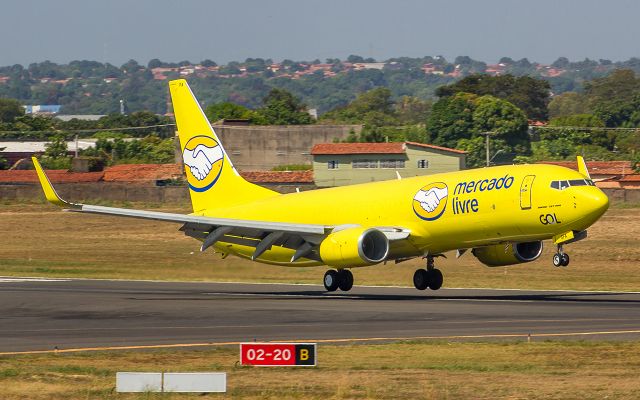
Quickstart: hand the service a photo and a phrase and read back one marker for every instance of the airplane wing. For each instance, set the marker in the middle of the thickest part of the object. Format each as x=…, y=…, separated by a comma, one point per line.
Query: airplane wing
x=304, y=238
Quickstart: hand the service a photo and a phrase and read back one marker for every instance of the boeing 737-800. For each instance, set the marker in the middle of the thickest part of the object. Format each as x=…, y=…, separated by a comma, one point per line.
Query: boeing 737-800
x=502, y=214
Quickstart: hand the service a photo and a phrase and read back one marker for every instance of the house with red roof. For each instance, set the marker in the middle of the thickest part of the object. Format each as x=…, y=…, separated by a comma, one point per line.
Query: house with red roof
x=600, y=170
x=340, y=164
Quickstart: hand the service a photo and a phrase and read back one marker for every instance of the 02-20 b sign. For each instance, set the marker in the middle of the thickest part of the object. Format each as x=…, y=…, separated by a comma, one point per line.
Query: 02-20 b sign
x=278, y=354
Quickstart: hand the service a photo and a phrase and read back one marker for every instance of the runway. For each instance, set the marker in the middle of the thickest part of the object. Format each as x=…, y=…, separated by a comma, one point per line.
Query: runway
x=71, y=314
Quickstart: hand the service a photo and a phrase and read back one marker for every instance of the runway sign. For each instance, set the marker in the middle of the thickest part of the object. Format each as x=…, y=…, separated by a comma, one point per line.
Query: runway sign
x=278, y=354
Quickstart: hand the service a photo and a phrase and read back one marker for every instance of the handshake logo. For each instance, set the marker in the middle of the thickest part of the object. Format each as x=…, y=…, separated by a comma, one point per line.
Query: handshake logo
x=203, y=158
x=431, y=201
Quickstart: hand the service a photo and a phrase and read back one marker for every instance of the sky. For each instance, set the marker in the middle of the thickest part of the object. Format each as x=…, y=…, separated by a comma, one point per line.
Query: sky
x=116, y=31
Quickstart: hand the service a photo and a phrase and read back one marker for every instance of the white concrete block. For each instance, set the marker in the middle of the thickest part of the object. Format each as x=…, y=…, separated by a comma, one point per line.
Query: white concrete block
x=138, y=382
x=195, y=382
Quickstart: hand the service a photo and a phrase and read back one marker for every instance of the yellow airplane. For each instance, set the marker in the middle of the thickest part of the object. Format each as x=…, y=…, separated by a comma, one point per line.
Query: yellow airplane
x=501, y=213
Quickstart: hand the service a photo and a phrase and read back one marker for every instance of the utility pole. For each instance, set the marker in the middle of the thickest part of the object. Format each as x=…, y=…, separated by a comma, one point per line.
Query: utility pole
x=486, y=135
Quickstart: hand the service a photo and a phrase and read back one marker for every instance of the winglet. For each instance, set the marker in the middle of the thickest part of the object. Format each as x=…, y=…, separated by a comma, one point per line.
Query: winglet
x=49, y=191
x=582, y=167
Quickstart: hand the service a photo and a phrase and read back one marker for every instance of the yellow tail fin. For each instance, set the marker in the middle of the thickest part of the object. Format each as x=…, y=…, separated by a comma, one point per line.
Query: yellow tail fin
x=212, y=178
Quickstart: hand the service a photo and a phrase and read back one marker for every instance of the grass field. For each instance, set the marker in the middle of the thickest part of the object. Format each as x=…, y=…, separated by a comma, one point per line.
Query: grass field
x=412, y=370
x=41, y=240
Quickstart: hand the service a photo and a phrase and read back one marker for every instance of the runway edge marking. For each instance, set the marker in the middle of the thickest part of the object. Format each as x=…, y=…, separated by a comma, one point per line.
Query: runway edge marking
x=328, y=341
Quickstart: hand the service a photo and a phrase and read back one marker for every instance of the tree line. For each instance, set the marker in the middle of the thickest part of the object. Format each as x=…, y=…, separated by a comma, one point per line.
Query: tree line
x=90, y=87
x=586, y=121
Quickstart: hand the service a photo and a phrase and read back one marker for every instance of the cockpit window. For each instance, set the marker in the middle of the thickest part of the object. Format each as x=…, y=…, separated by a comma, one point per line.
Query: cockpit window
x=562, y=185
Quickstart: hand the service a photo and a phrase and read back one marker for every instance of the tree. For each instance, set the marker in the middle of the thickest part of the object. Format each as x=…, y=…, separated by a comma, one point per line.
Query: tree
x=56, y=153
x=615, y=99
x=621, y=86
x=569, y=103
x=451, y=119
x=154, y=63
x=227, y=110
x=149, y=149
x=412, y=110
x=562, y=62
x=283, y=108
x=131, y=66
x=529, y=94
x=4, y=163
x=458, y=122
x=506, y=121
x=10, y=109
x=375, y=104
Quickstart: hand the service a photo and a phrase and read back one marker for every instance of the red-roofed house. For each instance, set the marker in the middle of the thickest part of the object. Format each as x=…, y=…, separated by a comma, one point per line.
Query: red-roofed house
x=339, y=164
x=599, y=170
x=279, y=177
x=142, y=173
x=55, y=175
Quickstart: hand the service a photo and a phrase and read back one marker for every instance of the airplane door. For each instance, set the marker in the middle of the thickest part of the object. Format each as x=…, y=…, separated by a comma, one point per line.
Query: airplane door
x=525, y=192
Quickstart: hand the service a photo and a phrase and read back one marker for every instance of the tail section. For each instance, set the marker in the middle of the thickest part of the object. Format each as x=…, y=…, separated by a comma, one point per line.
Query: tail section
x=212, y=178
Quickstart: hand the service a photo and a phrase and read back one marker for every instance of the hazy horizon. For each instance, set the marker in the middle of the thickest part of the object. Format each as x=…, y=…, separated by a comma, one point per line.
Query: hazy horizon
x=118, y=31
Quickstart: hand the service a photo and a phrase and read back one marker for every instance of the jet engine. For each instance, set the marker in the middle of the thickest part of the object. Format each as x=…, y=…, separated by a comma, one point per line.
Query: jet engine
x=354, y=247
x=508, y=254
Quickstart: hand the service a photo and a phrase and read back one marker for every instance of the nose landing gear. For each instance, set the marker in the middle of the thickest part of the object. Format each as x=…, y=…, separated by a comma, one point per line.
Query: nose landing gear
x=428, y=278
x=560, y=259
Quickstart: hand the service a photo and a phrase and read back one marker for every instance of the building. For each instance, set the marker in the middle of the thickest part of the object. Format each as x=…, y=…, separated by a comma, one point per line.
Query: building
x=630, y=181
x=600, y=170
x=42, y=109
x=81, y=117
x=14, y=150
x=261, y=148
x=339, y=164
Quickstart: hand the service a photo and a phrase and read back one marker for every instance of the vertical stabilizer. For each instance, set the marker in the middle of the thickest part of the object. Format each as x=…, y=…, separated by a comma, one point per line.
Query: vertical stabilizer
x=212, y=178
x=582, y=167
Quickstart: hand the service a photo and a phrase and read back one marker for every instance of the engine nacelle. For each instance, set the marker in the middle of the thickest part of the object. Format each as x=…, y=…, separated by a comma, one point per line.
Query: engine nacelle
x=354, y=247
x=507, y=254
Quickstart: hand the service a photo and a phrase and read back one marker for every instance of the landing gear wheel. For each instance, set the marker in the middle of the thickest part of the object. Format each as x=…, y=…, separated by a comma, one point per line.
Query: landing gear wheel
x=435, y=279
x=557, y=260
x=345, y=278
x=331, y=280
x=565, y=260
x=421, y=279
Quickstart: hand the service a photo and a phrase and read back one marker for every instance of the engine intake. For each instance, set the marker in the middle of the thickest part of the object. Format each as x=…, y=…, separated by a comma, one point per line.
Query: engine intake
x=508, y=254
x=354, y=247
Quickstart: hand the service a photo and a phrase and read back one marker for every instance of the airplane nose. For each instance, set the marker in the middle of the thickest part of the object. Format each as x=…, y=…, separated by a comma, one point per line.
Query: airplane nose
x=597, y=201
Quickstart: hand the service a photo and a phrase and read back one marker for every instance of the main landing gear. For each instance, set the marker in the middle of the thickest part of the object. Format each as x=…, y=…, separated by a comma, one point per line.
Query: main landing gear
x=428, y=278
x=560, y=259
x=341, y=279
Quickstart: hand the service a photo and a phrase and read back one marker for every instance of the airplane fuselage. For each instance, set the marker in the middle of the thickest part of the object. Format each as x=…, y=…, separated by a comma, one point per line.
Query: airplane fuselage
x=482, y=206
